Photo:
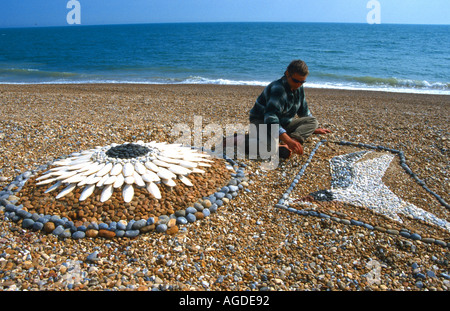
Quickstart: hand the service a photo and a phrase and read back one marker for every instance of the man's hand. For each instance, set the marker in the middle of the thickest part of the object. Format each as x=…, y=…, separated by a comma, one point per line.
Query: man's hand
x=293, y=144
x=322, y=131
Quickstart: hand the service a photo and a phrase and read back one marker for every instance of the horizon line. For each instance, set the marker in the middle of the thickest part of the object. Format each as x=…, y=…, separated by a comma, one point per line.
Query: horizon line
x=216, y=22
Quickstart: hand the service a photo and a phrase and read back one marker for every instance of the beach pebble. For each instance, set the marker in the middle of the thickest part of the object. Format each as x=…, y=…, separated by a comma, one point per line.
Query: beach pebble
x=198, y=207
x=58, y=230
x=161, y=228
x=38, y=226
x=182, y=220
x=191, y=210
x=92, y=257
x=415, y=236
x=78, y=235
x=191, y=217
x=27, y=223
x=139, y=224
x=131, y=233
x=206, y=212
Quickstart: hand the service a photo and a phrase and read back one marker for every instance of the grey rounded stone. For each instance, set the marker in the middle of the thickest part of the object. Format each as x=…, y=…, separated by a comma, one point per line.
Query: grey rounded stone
x=38, y=226
x=43, y=220
x=112, y=226
x=139, y=224
x=440, y=242
x=130, y=224
x=220, y=195
x=161, y=228
x=224, y=189
x=65, y=234
x=415, y=236
x=233, y=188
x=356, y=222
x=120, y=233
x=93, y=225
x=206, y=212
x=27, y=223
x=131, y=233
x=182, y=220
x=78, y=235
x=58, y=230
x=393, y=231
x=121, y=225
x=10, y=207
x=213, y=208
x=103, y=226
x=23, y=213
x=92, y=256
x=191, y=210
x=405, y=234
x=211, y=198
x=191, y=217
x=199, y=207
x=345, y=221
x=180, y=213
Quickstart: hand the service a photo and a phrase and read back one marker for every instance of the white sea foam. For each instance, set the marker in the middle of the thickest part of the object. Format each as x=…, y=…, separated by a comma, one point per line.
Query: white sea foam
x=424, y=87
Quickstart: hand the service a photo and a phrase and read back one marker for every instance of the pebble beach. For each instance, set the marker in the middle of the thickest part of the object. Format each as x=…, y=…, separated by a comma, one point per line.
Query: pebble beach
x=274, y=233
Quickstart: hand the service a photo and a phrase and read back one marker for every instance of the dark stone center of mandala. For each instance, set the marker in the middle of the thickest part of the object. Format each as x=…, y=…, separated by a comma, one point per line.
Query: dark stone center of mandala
x=127, y=151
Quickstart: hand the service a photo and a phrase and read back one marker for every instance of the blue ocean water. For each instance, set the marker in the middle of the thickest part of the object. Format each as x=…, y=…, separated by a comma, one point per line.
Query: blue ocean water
x=406, y=58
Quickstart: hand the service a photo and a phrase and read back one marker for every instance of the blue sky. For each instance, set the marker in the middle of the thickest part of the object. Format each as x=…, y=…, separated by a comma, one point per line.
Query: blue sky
x=26, y=13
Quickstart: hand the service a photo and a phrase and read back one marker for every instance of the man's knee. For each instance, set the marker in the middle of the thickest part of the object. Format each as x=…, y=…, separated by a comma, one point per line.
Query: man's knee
x=304, y=128
x=314, y=123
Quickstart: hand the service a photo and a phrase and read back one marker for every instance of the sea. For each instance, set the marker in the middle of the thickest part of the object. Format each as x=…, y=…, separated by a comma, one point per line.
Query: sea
x=379, y=57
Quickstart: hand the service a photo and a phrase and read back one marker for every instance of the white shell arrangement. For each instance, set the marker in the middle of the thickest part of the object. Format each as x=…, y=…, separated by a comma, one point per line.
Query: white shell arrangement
x=124, y=167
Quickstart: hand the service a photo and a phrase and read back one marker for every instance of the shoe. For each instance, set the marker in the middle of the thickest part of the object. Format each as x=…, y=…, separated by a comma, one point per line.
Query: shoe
x=284, y=152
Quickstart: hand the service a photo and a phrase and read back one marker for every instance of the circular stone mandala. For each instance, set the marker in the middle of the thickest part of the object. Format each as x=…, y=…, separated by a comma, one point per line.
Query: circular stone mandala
x=123, y=166
x=115, y=187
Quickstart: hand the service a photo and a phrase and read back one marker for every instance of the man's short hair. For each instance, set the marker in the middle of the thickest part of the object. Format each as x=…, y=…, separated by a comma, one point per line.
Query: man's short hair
x=298, y=66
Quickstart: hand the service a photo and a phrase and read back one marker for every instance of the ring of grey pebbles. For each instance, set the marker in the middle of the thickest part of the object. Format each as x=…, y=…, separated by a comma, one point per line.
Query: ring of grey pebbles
x=64, y=228
x=326, y=196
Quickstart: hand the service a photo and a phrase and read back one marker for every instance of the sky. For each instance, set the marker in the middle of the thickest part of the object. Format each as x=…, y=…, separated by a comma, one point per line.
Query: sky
x=44, y=13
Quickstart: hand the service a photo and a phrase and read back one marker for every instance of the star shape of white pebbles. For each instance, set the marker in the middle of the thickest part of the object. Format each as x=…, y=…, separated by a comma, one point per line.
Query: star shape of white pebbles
x=360, y=183
x=124, y=167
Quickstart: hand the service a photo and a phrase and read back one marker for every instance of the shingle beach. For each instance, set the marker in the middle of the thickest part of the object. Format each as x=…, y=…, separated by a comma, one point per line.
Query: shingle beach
x=278, y=232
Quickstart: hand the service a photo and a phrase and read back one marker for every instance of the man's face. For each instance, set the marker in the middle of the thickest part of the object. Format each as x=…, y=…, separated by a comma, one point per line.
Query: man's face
x=295, y=80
